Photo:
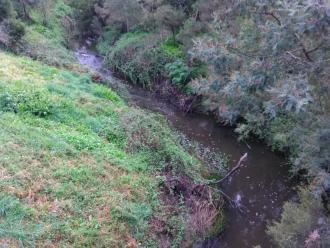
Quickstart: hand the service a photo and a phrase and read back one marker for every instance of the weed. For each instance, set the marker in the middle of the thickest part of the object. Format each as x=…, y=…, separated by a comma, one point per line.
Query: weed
x=15, y=221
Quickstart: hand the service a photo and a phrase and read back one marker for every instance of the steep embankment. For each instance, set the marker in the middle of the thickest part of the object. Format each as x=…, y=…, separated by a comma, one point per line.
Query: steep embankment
x=80, y=168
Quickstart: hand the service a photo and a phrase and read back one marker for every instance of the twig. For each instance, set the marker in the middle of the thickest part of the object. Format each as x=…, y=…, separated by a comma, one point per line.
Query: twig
x=231, y=201
x=191, y=104
x=293, y=56
x=274, y=16
x=248, y=146
x=315, y=49
x=303, y=47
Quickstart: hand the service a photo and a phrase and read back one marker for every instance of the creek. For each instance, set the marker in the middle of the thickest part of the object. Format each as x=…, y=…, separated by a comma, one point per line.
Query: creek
x=260, y=187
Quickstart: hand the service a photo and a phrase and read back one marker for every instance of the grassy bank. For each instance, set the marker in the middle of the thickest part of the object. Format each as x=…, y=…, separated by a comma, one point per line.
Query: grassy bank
x=81, y=168
x=42, y=30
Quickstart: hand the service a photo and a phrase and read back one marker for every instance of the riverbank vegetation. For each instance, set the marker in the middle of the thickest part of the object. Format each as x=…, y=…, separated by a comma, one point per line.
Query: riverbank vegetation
x=260, y=66
x=39, y=29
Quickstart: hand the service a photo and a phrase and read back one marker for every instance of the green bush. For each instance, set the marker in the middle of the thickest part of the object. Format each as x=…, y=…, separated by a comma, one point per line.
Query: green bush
x=104, y=92
x=107, y=39
x=138, y=57
x=254, y=125
x=280, y=133
x=181, y=74
x=302, y=224
x=36, y=103
x=178, y=72
x=8, y=103
x=198, y=69
x=172, y=48
x=190, y=30
x=16, y=30
x=62, y=9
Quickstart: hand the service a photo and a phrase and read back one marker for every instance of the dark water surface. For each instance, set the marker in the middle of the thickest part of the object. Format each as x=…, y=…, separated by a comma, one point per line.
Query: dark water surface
x=260, y=187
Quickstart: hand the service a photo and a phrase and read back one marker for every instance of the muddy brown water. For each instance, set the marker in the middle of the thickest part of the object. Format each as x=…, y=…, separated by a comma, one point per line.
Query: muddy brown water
x=260, y=188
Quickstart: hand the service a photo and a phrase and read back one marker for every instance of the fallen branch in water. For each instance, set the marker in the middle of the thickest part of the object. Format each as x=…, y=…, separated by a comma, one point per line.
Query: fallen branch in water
x=239, y=165
x=188, y=108
x=232, y=202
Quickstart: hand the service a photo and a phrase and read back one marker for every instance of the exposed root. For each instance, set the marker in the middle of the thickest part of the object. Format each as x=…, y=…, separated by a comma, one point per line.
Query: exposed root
x=171, y=93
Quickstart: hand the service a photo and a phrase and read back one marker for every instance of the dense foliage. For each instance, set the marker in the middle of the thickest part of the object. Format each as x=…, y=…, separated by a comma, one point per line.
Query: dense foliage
x=270, y=66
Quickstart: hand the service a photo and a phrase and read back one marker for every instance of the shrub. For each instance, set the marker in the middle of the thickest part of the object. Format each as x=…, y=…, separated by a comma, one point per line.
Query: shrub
x=107, y=39
x=8, y=103
x=253, y=125
x=172, y=48
x=280, y=133
x=302, y=224
x=11, y=33
x=36, y=103
x=16, y=30
x=190, y=30
x=138, y=57
x=170, y=17
x=178, y=72
x=313, y=156
x=104, y=92
x=6, y=9
x=198, y=69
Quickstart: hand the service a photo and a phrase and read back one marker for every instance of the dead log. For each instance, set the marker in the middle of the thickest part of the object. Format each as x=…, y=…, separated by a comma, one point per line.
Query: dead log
x=239, y=165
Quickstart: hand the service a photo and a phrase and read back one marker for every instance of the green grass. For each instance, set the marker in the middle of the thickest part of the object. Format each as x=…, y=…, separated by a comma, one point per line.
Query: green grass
x=47, y=45
x=78, y=166
x=129, y=38
x=46, y=38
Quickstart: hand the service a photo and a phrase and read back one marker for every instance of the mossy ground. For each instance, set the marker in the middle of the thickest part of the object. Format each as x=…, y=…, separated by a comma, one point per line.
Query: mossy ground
x=79, y=167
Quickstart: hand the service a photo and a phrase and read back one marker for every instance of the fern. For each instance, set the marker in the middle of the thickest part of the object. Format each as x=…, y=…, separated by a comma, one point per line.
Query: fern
x=178, y=72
